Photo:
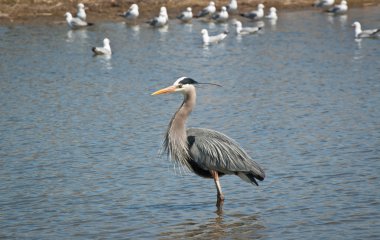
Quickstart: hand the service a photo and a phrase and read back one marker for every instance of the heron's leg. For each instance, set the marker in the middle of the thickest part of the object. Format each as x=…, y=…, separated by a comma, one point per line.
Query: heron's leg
x=220, y=196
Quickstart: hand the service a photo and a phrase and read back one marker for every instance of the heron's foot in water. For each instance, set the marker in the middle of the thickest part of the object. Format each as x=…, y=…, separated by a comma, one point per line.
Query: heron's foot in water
x=220, y=201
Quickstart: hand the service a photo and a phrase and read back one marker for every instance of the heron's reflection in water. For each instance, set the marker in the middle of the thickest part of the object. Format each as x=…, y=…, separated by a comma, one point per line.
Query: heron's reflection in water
x=234, y=226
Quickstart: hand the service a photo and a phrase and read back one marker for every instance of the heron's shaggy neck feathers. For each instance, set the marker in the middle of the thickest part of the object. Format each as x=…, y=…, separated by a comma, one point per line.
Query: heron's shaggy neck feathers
x=175, y=143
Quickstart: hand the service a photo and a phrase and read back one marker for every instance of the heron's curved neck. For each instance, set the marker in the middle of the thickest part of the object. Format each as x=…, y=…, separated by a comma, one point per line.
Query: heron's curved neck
x=175, y=142
x=179, y=119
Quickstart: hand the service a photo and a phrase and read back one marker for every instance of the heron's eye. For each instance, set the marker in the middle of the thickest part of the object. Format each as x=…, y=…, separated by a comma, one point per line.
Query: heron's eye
x=179, y=85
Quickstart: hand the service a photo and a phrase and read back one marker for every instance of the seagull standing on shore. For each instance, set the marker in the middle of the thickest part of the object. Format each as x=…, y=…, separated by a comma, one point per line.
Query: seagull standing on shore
x=74, y=22
x=272, y=14
x=81, y=13
x=232, y=6
x=212, y=39
x=105, y=50
x=368, y=33
x=240, y=30
x=256, y=14
x=341, y=8
x=132, y=13
x=221, y=16
x=161, y=20
x=207, y=11
x=186, y=16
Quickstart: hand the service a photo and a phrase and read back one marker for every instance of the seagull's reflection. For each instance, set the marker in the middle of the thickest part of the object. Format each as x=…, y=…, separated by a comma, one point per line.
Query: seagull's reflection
x=188, y=27
x=272, y=23
x=72, y=35
x=260, y=24
x=163, y=29
x=105, y=61
x=135, y=29
x=342, y=19
x=358, y=50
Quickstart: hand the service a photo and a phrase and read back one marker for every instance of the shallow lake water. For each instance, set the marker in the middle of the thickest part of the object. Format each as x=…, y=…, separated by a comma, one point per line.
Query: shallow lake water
x=81, y=135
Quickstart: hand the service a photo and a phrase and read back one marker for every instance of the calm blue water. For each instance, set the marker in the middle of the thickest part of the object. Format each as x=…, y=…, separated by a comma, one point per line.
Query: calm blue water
x=80, y=135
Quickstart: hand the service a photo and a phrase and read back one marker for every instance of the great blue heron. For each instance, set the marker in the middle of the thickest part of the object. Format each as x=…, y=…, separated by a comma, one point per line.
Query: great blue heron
x=206, y=152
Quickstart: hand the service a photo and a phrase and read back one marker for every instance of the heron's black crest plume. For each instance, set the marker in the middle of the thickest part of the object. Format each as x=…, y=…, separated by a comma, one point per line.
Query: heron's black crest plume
x=188, y=81
x=213, y=84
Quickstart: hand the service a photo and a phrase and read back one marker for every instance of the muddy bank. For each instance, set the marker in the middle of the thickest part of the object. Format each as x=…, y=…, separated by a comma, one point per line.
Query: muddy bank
x=39, y=11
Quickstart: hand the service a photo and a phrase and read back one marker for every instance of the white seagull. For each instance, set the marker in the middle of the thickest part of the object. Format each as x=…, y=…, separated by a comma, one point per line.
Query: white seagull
x=221, y=16
x=212, y=39
x=75, y=23
x=232, y=6
x=240, y=30
x=359, y=33
x=81, y=13
x=161, y=20
x=132, y=13
x=272, y=14
x=341, y=8
x=105, y=50
x=207, y=11
x=323, y=3
x=255, y=14
x=186, y=15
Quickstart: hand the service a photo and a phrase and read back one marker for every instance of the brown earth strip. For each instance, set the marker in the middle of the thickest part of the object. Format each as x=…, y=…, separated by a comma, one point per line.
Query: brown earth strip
x=47, y=11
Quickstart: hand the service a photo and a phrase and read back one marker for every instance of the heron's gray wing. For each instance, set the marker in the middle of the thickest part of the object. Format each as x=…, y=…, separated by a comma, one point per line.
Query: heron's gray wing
x=212, y=150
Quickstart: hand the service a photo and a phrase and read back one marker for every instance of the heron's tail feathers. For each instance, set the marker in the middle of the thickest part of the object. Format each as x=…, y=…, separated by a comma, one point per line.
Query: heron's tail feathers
x=251, y=177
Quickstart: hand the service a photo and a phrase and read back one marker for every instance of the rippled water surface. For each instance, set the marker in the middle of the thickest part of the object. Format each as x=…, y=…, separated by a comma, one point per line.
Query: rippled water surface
x=80, y=135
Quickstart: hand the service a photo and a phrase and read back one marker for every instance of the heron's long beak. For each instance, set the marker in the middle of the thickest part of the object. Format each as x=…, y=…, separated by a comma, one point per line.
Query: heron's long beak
x=169, y=89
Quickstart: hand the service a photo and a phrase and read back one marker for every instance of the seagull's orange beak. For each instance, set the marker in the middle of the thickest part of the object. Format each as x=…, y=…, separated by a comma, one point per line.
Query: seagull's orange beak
x=169, y=89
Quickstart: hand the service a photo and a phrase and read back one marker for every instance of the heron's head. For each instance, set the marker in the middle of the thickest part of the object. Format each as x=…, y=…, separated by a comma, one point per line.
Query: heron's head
x=182, y=84
x=80, y=5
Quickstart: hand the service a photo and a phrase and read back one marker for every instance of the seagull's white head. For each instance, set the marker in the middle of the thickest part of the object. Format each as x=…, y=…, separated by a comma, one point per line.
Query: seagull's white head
x=68, y=15
x=356, y=24
x=163, y=10
x=237, y=24
x=106, y=42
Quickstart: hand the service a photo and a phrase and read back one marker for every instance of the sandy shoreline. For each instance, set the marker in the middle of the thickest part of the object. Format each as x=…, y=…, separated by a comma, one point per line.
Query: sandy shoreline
x=45, y=11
